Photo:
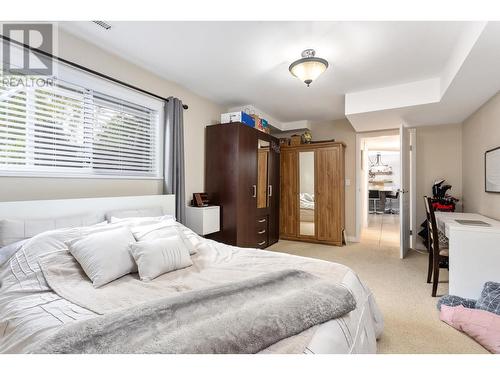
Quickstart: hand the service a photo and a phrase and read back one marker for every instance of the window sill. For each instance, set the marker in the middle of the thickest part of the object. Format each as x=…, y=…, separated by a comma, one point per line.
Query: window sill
x=75, y=176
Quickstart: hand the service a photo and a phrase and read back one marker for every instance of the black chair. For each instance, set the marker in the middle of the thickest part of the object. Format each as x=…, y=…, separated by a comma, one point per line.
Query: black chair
x=391, y=197
x=373, y=196
x=437, y=255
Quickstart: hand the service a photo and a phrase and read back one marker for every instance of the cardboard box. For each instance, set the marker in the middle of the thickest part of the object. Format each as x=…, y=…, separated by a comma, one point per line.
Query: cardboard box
x=295, y=140
x=258, y=122
x=265, y=126
x=242, y=117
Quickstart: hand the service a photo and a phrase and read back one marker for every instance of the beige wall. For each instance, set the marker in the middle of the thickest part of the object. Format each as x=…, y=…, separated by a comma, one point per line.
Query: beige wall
x=342, y=131
x=481, y=132
x=439, y=155
x=201, y=112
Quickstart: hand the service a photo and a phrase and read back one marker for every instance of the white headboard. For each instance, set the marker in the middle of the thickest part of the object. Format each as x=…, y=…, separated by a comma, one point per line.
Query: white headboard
x=70, y=207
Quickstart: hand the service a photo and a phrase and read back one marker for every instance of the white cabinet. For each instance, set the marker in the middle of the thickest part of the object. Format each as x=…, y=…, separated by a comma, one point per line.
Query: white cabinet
x=203, y=220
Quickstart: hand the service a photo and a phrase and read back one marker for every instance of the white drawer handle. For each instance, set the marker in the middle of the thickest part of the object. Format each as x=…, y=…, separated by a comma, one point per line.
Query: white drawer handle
x=262, y=243
x=262, y=220
x=262, y=231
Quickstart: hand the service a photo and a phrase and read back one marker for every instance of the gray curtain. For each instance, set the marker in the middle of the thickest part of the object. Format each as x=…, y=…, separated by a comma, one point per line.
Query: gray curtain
x=174, y=177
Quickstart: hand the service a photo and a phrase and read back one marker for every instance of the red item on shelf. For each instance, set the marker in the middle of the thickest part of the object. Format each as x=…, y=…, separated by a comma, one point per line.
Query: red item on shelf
x=443, y=207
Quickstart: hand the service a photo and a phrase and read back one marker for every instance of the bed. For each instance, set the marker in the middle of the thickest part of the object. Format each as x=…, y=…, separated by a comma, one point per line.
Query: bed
x=35, y=304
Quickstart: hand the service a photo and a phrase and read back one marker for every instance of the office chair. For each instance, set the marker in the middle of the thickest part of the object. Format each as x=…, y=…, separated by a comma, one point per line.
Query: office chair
x=373, y=196
x=391, y=197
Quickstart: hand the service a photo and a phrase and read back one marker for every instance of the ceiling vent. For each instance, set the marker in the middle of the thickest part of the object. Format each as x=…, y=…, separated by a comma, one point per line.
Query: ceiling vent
x=103, y=24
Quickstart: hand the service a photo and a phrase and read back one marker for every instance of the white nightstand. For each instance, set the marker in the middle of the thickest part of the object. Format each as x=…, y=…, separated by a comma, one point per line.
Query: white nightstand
x=203, y=220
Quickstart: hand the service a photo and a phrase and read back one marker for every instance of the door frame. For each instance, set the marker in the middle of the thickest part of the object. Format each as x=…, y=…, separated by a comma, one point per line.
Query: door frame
x=413, y=187
x=412, y=192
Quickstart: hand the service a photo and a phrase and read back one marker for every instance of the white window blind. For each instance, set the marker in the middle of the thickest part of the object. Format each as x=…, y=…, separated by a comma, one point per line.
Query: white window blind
x=68, y=130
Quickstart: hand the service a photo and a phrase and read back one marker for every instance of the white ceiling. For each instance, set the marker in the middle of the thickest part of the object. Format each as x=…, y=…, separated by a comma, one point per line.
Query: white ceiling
x=241, y=63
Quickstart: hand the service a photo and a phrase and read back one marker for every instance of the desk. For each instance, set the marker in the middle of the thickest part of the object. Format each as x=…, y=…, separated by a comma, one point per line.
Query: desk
x=474, y=252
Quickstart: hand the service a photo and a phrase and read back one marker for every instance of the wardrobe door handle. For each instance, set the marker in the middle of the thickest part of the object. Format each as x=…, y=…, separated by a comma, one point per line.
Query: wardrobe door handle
x=262, y=231
x=261, y=243
x=262, y=220
x=270, y=188
x=254, y=187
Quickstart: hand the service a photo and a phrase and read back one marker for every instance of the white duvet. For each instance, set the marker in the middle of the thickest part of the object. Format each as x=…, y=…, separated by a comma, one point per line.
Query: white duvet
x=306, y=201
x=30, y=310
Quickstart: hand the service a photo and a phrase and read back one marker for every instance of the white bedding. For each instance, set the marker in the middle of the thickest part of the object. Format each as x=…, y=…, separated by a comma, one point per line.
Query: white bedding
x=306, y=201
x=30, y=310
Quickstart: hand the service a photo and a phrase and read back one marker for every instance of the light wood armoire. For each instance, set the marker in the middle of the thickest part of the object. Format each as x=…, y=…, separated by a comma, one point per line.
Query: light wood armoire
x=312, y=204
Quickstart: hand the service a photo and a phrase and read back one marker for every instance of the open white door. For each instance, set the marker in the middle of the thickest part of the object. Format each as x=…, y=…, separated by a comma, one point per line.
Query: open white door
x=404, y=196
x=413, y=188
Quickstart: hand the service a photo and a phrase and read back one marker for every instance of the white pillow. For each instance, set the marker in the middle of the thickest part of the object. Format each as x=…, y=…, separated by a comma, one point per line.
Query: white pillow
x=104, y=256
x=156, y=257
x=162, y=229
x=14, y=230
x=137, y=212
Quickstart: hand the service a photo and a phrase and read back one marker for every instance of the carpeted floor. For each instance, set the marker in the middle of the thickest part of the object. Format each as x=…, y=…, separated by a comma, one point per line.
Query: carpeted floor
x=411, y=319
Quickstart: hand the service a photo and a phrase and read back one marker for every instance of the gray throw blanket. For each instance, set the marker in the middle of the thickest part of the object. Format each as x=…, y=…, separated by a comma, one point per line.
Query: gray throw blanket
x=241, y=317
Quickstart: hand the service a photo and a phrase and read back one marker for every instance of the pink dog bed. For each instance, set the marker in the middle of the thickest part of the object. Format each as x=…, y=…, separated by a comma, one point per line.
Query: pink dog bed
x=481, y=325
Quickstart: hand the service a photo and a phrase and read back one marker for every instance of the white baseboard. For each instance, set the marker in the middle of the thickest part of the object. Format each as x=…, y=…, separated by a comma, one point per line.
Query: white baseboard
x=352, y=239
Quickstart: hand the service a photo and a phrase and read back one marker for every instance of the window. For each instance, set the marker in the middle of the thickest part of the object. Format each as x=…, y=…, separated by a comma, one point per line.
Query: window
x=72, y=130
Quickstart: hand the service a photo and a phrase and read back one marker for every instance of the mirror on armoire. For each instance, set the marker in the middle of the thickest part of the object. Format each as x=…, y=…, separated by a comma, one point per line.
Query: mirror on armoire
x=306, y=193
x=262, y=174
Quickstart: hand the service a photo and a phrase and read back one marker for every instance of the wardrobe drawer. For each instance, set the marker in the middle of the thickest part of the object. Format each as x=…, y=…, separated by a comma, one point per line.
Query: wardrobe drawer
x=261, y=234
x=262, y=244
x=261, y=223
x=262, y=240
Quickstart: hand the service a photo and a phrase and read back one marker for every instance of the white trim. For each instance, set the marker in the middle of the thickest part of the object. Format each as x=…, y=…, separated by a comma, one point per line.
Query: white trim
x=70, y=207
x=413, y=188
x=40, y=174
x=358, y=186
x=352, y=239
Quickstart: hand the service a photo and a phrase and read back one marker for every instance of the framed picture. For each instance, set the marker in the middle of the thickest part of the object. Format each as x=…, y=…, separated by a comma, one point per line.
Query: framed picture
x=492, y=170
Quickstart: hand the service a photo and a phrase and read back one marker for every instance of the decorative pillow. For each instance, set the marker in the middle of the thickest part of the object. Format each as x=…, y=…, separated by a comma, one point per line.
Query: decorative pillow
x=160, y=256
x=163, y=229
x=451, y=300
x=490, y=298
x=138, y=212
x=104, y=256
x=482, y=326
x=14, y=230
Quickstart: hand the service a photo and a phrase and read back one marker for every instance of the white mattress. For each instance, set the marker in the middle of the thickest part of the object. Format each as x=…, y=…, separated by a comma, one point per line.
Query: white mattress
x=30, y=310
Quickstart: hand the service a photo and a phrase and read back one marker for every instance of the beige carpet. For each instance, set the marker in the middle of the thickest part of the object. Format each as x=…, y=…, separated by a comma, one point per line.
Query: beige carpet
x=411, y=319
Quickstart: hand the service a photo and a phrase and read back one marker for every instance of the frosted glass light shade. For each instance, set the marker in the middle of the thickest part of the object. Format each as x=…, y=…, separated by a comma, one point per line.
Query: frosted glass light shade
x=309, y=67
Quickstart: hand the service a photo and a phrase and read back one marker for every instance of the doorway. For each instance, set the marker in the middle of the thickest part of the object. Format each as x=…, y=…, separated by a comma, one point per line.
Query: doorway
x=402, y=140
x=379, y=189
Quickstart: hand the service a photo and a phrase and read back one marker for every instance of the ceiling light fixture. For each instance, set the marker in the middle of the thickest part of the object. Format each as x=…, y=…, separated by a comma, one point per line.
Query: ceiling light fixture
x=309, y=67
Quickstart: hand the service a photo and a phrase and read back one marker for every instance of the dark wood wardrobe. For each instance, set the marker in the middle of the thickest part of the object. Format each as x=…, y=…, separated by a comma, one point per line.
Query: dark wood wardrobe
x=242, y=176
